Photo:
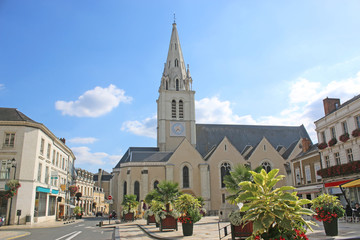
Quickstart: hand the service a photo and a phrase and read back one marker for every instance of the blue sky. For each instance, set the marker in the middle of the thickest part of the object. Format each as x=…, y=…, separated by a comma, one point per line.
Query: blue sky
x=90, y=70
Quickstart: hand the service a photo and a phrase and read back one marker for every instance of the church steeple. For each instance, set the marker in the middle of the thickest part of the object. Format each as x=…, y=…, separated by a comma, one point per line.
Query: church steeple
x=175, y=76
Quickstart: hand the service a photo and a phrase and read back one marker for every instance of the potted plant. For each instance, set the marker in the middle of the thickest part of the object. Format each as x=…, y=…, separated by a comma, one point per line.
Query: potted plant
x=322, y=145
x=157, y=208
x=344, y=137
x=169, y=191
x=328, y=209
x=129, y=206
x=356, y=132
x=189, y=208
x=73, y=189
x=78, y=212
x=11, y=188
x=149, y=214
x=332, y=142
x=275, y=212
x=238, y=228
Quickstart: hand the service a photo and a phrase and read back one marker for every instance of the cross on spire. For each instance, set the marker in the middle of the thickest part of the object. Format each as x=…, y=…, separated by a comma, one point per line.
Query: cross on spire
x=174, y=18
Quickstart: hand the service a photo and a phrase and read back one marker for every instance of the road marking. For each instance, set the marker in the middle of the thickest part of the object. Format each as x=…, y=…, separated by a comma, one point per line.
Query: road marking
x=23, y=235
x=80, y=225
x=74, y=234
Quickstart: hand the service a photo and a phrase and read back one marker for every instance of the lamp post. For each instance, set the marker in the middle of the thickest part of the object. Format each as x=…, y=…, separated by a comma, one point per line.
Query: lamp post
x=13, y=165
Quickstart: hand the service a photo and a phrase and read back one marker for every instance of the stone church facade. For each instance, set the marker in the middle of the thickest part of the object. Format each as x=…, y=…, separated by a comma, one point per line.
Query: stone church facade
x=198, y=156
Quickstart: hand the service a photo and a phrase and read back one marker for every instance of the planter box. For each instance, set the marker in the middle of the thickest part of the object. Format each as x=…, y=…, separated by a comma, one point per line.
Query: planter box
x=150, y=219
x=241, y=231
x=168, y=223
x=129, y=217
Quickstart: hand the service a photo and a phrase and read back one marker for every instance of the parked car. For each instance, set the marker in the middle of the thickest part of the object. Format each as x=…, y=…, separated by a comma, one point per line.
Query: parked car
x=99, y=214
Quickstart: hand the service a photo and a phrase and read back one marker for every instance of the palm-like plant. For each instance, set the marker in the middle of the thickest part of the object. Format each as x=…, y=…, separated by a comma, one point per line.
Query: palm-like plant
x=240, y=174
x=169, y=191
x=152, y=195
x=129, y=203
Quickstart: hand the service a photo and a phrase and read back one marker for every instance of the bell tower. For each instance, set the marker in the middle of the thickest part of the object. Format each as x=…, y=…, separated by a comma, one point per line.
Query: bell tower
x=176, y=103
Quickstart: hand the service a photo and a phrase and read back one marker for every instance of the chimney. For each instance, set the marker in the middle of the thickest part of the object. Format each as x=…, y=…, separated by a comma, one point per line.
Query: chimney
x=306, y=143
x=330, y=105
x=63, y=140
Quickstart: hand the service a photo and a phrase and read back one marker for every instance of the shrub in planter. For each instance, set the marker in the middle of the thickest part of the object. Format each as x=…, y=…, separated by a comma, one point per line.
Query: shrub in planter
x=239, y=229
x=344, y=137
x=356, y=132
x=275, y=212
x=189, y=208
x=129, y=206
x=332, y=142
x=322, y=145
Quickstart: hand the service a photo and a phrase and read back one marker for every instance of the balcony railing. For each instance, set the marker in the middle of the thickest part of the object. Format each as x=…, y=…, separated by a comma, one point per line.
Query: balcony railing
x=340, y=170
x=4, y=175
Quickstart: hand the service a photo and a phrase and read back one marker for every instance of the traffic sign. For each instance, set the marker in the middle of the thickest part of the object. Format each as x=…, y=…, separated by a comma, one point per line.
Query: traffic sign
x=109, y=197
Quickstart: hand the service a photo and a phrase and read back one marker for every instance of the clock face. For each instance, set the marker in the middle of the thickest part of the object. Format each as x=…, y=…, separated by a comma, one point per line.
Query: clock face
x=177, y=129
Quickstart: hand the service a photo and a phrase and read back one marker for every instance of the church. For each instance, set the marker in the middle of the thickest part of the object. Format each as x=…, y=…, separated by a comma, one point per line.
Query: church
x=198, y=156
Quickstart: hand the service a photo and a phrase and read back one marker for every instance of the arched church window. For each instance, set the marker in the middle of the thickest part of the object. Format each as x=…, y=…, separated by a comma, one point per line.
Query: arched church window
x=156, y=184
x=225, y=170
x=266, y=166
x=137, y=190
x=181, y=109
x=177, y=85
x=125, y=188
x=173, y=109
x=186, y=177
x=176, y=63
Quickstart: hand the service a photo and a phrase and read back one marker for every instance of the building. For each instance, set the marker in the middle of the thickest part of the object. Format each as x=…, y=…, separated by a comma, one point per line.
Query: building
x=85, y=182
x=305, y=166
x=99, y=201
x=338, y=135
x=43, y=164
x=198, y=156
x=102, y=179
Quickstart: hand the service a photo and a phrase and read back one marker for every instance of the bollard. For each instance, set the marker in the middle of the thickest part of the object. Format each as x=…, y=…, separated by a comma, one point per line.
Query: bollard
x=100, y=224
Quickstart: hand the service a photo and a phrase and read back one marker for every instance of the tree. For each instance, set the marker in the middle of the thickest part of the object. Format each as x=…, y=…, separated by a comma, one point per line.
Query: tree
x=240, y=174
x=169, y=191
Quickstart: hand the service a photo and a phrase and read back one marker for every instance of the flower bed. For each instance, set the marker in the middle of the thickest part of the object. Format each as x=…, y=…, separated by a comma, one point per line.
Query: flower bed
x=343, y=169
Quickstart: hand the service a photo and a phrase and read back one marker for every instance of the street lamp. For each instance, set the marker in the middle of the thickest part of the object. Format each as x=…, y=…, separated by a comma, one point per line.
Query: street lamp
x=13, y=164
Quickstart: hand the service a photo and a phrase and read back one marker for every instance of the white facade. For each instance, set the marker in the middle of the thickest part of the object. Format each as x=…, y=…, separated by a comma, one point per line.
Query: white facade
x=43, y=164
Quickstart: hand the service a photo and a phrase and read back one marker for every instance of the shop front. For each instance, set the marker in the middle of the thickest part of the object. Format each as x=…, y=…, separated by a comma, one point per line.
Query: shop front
x=45, y=204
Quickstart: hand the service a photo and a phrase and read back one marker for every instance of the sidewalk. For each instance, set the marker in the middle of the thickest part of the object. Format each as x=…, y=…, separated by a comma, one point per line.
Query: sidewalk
x=15, y=231
x=207, y=228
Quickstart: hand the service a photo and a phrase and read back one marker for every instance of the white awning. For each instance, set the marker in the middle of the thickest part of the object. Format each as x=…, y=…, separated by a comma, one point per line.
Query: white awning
x=71, y=206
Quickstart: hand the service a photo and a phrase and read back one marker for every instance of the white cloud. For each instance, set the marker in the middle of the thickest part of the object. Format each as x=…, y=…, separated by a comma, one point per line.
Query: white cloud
x=2, y=86
x=305, y=107
x=94, y=103
x=146, y=127
x=92, y=160
x=79, y=140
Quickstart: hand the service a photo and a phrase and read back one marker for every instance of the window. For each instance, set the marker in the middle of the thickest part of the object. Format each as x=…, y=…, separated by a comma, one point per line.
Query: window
x=156, y=184
x=266, y=165
x=42, y=145
x=225, y=147
x=357, y=121
x=297, y=175
x=337, y=158
x=48, y=151
x=137, y=190
x=308, y=173
x=52, y=205
x=181, y=109
x=344, y=127
x=167, y=85
x=186, y=177
x=175, y=46
x=317, y=168
x=5, y=169
x=176, y=63
x=40, y=204
x=264, y=147
x=349, y=155
x=39, y=172
x=47, y=177
x=57, y=159
x=223, y=198
x=323, y=137
x=177, y=85
x=53, y=157
x=63, y=163
x=225, y=170
x=125, y=188
x=173, y=109
x=9, y=140
x=333, y=133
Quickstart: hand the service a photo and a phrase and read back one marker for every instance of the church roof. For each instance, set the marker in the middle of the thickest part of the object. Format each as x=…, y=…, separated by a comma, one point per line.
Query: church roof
x=144, y=154
x=209, y=135
x=12, y=114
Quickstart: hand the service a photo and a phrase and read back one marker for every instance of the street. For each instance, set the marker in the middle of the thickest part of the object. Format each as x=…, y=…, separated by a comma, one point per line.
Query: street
x=86, y=230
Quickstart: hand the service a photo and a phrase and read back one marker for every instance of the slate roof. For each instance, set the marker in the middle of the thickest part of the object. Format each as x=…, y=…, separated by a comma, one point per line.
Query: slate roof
x=209, y=135
x=12, y=114
x=313, y=148
x=144, y=154
x=104, y=177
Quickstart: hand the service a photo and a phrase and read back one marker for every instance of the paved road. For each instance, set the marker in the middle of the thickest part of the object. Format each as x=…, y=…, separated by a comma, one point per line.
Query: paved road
x=86, y=230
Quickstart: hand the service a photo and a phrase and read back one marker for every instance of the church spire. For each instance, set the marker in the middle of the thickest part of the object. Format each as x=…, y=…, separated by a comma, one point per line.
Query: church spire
x=175, y=76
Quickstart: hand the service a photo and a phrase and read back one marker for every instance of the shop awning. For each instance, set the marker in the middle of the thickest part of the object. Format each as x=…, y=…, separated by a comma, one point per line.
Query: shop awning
x=354, y=183
x=42, y=189
x=53, y=191
x=314, y=188
x=337, y=183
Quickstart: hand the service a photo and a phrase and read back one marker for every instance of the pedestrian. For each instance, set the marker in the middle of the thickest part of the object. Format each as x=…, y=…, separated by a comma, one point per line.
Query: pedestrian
x=357, y=210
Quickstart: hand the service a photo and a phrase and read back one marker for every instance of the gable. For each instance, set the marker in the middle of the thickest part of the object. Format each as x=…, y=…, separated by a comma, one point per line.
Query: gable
x=185, y=152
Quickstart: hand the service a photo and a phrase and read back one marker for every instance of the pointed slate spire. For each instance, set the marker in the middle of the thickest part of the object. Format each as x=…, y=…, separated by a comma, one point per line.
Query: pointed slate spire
x=175, y=71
